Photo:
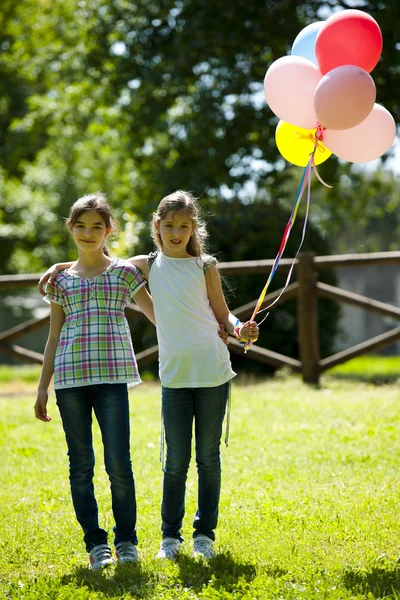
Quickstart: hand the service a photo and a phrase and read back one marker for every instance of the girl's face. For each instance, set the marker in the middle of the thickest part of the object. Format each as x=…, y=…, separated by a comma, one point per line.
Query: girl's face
x=175, y=230
x=89, y=231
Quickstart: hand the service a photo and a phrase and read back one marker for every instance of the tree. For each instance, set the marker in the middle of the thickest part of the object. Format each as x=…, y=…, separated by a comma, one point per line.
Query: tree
x=145, y=97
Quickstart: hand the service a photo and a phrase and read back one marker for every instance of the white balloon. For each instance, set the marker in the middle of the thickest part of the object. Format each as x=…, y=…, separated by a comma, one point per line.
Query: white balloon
x=289, y=88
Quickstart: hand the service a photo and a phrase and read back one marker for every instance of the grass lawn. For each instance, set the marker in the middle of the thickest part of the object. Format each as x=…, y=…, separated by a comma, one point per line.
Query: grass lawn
x=309, y=503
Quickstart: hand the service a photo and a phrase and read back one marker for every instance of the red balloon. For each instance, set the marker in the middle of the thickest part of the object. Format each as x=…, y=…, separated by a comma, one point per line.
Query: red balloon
x=349, y=37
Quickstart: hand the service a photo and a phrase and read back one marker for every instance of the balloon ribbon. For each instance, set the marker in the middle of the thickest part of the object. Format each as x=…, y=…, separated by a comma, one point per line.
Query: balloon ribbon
x=305, y=181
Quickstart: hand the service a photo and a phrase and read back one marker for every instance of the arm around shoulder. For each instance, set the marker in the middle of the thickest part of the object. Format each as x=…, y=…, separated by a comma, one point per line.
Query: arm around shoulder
x=51, y=274
x=141, y=263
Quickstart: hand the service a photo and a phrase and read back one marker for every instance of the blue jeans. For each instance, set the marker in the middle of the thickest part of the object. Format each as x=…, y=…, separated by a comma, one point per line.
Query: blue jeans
x=206, y=406
x=111, y=407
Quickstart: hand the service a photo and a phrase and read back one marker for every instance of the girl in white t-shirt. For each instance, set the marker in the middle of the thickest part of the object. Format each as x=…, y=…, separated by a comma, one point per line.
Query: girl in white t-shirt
x=194, y=364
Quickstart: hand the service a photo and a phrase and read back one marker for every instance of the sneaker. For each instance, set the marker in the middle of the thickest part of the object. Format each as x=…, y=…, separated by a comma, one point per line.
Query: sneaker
x=100, y=557
x=126, y=552
x=169, y=548
x=203, y=547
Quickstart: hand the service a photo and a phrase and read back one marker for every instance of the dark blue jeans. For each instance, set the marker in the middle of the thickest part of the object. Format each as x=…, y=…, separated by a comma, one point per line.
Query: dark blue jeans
x=111, y=406
x=206, y=406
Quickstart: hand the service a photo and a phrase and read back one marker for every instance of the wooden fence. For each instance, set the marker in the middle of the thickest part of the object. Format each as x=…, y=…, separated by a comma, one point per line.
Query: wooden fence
x=307, y=289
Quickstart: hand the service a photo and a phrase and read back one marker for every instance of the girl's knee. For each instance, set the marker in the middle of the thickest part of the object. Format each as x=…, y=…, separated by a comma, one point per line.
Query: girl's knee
x=177, y=465
x=209, y=463
x=118, y=466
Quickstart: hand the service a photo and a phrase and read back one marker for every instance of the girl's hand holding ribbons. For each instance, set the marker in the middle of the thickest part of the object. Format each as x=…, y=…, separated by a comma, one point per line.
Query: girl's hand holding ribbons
x=246, y=333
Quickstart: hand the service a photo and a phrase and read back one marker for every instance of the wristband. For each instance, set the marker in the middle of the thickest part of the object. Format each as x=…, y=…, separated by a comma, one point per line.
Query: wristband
x=236, y=332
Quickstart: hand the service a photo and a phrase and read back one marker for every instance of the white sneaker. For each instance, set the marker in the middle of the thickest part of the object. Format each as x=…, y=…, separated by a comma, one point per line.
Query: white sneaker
x=126, y=552
x=100, y=557
x=203, y=547
x=169, y=548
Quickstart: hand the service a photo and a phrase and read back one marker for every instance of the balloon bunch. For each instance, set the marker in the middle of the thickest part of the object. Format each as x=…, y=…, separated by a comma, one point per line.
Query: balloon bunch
x=325, y=97
x=326, y=81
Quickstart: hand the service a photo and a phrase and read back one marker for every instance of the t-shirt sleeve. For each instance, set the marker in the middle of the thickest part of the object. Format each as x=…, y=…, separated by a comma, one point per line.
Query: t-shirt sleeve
x=135, y=281
x=208, y=261
x=54, y=293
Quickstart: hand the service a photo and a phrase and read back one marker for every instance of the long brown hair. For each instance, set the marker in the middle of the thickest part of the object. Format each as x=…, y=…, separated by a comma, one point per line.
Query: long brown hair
x=185, y=202
x=99, y=203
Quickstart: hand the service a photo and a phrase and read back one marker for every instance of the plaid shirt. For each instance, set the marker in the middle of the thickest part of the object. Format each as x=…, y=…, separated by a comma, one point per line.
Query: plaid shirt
x=95, y=343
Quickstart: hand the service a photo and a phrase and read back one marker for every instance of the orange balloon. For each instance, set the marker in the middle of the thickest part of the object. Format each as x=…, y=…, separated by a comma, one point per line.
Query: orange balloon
x=344, y=97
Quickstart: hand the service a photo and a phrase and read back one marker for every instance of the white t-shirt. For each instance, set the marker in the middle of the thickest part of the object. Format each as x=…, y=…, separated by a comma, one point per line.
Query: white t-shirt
x=191, y=354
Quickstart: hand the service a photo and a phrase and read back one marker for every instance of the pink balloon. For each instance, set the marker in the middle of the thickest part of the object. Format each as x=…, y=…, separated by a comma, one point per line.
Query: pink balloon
x=349, y=37
x=367, y=141
x=344, y=97
x=289, y=87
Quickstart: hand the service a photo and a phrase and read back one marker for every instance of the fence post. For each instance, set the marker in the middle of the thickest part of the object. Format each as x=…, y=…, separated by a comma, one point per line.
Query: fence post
x=307, y=319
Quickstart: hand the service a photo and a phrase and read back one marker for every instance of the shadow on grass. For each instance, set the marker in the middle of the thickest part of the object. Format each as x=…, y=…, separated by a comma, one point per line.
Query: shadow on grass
x=80, y=582
x=114, y=582
x=220, y=572
x=381, y=582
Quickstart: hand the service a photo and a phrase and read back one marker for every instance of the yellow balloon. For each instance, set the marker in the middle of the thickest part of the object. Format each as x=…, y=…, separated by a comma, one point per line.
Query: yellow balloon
x=296, y=144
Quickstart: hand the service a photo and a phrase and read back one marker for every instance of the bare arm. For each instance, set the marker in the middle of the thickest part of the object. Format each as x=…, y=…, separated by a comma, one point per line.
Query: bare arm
x=141, y=263
x=248, y=330
x=57, y=318
x=217, y=299
x=143, y=299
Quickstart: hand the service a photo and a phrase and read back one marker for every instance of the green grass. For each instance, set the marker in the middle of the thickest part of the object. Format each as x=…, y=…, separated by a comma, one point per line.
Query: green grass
x=309, y=503
x=370, y=368
x=24, y=374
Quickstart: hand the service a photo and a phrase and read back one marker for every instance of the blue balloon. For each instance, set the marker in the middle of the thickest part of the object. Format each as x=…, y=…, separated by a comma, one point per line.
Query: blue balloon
x=304, y=44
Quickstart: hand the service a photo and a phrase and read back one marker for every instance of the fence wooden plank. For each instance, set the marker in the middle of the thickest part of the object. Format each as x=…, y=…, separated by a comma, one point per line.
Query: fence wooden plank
x=23, y=328
x=264, y=356
x=254, y=352
x=147, y=356
x=355, y=260
x=22, y=353
x=381, y=308
x=253, y=267
x=375, y=343
x=246, y=310
x=16, y=281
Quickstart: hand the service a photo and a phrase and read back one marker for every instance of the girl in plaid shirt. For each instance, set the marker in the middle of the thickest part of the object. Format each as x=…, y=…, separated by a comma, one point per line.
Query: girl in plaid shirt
x=89, y=351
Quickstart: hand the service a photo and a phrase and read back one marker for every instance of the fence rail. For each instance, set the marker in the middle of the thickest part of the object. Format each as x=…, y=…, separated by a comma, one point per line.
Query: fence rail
x=307, y=289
